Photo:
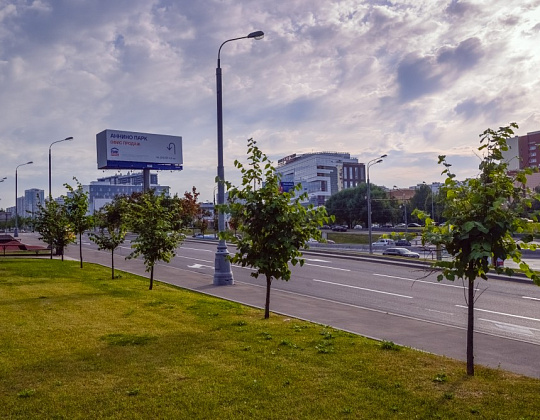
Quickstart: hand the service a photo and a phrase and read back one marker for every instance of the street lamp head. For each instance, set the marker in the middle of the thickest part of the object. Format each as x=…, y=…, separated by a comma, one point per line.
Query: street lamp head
x=28, y=163
x=68, y=138
x=257, y=35
x=383, y=156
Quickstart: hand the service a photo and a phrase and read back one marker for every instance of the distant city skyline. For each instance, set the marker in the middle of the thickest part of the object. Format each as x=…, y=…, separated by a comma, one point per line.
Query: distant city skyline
x=410, y=79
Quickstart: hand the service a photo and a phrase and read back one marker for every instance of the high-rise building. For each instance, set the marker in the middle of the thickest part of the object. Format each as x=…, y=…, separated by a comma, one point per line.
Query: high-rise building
x=529, y=153
x=32, y=199
x=322, y=173
x=524, y=152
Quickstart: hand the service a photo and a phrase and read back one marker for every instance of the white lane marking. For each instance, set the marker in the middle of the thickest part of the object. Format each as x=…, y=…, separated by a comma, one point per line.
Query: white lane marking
x=196, y=249
x=200, y=266
x=316, y=260
x=530, y=298
x=512, y=328
x=418, y=281
x=325, y=266
x=191, y=258
x=362, y=288
x=501, y=313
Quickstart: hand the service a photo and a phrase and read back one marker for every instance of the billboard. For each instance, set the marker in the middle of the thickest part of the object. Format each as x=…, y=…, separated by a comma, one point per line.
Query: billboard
x=130, y=150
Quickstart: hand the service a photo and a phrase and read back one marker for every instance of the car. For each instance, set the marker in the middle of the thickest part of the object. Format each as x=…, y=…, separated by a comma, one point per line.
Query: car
x=414, y=225
x=383, y=242
x=403, y=242
x=401, y=252
x=401, y=225
x=358, y=227
x=339, y=228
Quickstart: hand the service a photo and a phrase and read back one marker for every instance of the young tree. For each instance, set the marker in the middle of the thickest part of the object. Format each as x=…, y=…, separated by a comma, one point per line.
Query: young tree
x=54, y=227
x=76, y=204
x=482, y=213
x=274, y=225
x=111, y=227
x=157, y=221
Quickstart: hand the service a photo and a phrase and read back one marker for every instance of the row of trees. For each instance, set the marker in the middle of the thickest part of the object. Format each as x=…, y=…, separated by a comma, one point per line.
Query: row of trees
x=349, y=206
x=157, y=221
x=273, y=226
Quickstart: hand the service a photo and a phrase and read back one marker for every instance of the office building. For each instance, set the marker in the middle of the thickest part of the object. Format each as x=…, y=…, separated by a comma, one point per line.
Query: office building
x=321, y=173
x=104, y=190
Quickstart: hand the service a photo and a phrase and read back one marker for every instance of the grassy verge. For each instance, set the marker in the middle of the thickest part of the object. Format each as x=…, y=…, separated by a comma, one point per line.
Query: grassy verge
x=352, y=237
x=75, y=344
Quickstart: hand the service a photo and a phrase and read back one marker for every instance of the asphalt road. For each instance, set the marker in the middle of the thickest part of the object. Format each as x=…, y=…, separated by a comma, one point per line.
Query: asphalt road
x=381, y=300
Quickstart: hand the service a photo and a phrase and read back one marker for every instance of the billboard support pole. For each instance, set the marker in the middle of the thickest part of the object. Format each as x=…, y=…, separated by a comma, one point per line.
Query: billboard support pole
x=146, y=180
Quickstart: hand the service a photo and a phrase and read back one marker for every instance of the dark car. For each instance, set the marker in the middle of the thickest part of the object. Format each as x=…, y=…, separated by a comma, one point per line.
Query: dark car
x=339, y=228
x=403, y=242
x=401, y=252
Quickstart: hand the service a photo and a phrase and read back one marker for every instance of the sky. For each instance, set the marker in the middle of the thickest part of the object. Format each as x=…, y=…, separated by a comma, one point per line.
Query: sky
x=412, y=79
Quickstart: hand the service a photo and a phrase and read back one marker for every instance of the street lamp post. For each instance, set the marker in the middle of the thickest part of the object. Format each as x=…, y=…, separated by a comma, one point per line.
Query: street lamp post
x=16, y=231
x=58, y=141
x=222, y=267
x=369, y=164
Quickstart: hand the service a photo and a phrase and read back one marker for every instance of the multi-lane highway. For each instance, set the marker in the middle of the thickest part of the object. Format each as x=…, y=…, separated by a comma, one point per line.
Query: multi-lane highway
x=383, y=300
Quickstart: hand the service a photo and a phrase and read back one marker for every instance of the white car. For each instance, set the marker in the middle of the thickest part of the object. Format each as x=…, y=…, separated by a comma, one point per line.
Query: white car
x=384, y=242
x=401, y=252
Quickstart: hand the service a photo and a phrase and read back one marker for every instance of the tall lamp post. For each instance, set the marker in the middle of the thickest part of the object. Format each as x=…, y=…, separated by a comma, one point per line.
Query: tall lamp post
x=57, y=141
x=222, y=267
x=370, y=164
x=16, y=231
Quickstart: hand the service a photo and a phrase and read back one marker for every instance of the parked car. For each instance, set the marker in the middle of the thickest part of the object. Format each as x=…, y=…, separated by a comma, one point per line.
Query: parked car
x=401, y=225
x=414, y=225
x=403, y=242
x=358, y=227
x=339, y=228
x=384, y=242
x=401, y=252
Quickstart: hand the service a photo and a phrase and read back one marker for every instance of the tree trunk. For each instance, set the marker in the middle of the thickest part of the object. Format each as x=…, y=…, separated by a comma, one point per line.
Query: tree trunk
x=151, y=278
x=470, y=329
x=267, y=304
x=112, y=263
x=80, y=248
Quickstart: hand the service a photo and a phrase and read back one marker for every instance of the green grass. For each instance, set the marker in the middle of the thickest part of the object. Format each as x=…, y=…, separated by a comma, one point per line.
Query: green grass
x=352, y=237
x=75, y=345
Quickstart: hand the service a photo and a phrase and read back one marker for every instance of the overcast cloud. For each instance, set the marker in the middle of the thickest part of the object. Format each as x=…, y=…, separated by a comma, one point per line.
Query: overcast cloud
x=413, y=79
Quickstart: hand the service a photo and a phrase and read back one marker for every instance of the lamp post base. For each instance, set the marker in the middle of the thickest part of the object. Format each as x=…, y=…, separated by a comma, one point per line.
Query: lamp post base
x=222, y=267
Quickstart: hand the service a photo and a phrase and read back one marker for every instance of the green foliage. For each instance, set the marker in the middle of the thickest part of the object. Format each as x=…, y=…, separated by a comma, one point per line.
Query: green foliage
x=274, y=225
x=76, y=207
x=109, y=221
x=53, y=225
x=481, y=216
x=349, y=206
x=154, y=219
x=482, y=213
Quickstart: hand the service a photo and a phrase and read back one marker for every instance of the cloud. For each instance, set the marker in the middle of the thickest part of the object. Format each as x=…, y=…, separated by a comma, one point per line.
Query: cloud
x=423, y=75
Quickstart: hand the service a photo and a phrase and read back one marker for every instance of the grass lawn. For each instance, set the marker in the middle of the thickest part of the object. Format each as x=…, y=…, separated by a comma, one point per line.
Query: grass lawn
x=75, y=344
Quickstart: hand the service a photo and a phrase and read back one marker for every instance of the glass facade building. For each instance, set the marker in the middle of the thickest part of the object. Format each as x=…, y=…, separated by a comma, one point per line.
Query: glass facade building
x=322, y=174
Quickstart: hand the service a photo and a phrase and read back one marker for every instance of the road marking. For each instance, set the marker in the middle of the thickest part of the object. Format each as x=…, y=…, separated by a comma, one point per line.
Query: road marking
x=191, y=258
x=501, y=313
x=200, y=266
x=530, y=298
x=316, y=260
x=195, y=249
x=518, y=329
x=362, y=288
x=325, y=266
x=418, y=281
